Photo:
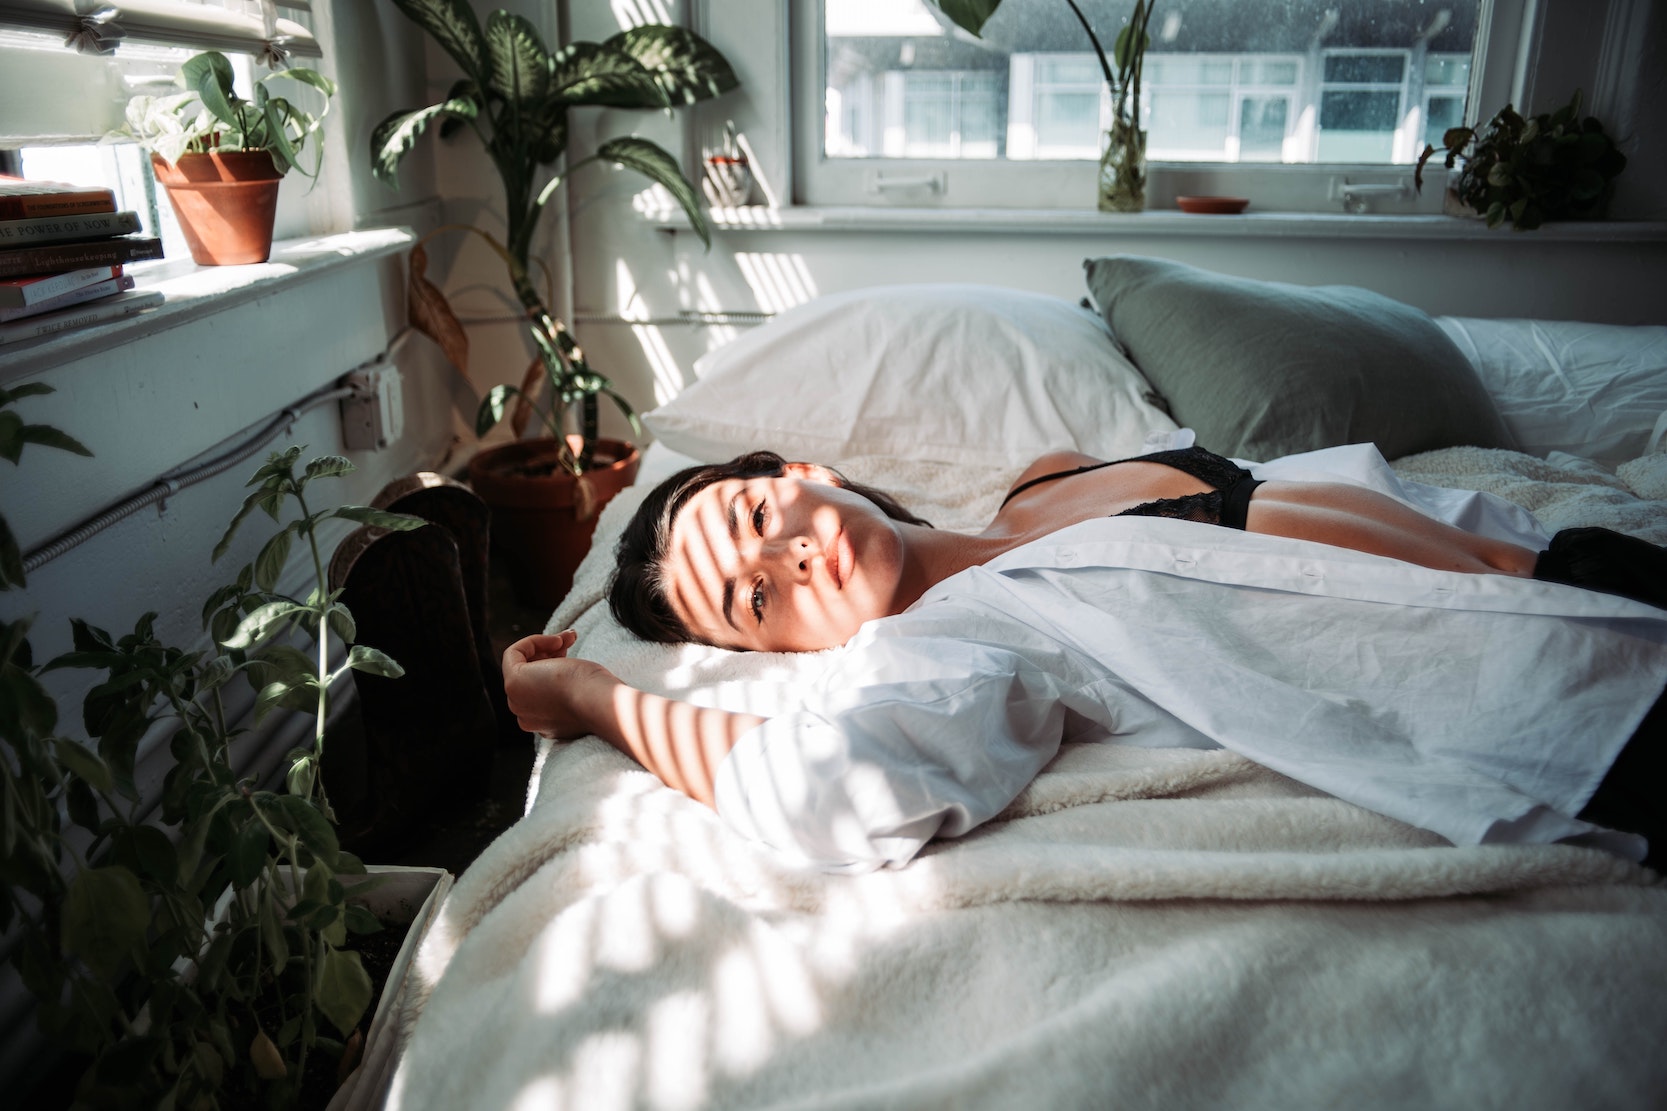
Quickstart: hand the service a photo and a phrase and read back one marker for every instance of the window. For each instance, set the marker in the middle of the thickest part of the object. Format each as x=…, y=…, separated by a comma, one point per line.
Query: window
x=55, y=137
x=1233, y=89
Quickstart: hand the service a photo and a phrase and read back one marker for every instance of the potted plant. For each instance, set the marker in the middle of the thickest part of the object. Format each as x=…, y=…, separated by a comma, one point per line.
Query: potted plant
x=515, y=95
x=1122, y=178
x=221, y=157
x=200, y=956
x=1553, y=166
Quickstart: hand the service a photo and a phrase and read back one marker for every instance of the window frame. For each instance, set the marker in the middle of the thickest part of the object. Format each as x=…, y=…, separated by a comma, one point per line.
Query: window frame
x=1504, y=35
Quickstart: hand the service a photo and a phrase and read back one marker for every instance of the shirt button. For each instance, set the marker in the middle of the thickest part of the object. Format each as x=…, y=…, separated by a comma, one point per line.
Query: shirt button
x=1067, y=557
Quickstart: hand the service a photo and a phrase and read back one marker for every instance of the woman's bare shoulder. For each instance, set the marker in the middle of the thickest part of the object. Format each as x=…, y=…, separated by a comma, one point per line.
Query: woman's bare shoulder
x=1052, y=463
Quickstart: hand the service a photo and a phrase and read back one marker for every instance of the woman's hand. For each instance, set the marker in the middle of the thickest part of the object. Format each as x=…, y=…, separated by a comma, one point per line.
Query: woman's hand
x=549, y=693
x=681, y=743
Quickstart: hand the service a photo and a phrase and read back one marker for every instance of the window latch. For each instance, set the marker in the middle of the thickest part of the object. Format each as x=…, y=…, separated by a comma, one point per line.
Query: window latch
x=879, y=184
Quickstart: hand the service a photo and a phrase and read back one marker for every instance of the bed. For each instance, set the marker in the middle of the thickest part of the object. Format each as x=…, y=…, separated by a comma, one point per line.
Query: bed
x=1140, y=927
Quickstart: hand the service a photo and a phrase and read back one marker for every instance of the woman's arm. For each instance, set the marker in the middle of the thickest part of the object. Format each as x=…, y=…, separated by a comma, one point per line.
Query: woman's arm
x=681, y=743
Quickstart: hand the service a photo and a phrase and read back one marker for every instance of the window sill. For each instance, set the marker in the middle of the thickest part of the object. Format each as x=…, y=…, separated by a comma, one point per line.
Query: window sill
x=195, y=292
x=1166, y=224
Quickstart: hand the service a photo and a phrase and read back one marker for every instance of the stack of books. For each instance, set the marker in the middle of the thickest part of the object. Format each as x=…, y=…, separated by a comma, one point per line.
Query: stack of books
x=62, y=249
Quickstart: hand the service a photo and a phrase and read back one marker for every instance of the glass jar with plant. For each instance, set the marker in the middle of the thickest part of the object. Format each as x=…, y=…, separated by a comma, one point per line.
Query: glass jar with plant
x=221, y=157
x=1553, y=166
x=1121, y=185
x=198, y=956
x=515, y=95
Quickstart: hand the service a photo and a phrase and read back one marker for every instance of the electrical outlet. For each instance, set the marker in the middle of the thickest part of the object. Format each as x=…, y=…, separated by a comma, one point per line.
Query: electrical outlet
x=374, y=416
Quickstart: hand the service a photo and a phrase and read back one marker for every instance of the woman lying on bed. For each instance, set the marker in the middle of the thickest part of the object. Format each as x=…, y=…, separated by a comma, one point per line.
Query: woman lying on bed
x=1483, y=705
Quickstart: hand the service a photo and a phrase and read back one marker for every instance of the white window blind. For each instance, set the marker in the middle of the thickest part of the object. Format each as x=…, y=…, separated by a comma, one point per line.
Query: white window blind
x=92, y=26
x=107, y=51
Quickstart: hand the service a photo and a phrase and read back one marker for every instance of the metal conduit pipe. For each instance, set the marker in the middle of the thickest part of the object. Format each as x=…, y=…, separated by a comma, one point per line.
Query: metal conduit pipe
x=175, y=481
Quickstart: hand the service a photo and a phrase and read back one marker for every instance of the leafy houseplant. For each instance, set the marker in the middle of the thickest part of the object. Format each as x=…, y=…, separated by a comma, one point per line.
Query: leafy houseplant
x=1553, y=166
x=221, y=157
x=515, y=96
x=201, y=960
x=1122, y=178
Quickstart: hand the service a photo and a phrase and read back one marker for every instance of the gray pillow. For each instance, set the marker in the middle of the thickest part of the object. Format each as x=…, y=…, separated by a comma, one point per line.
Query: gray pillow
x=1263, y=369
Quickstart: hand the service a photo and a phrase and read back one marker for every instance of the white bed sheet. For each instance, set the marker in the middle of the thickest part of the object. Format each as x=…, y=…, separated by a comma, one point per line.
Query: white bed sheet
x=1141, y=928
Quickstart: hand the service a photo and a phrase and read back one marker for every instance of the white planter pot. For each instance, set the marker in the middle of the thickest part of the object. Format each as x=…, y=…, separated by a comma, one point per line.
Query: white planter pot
x=409, y=895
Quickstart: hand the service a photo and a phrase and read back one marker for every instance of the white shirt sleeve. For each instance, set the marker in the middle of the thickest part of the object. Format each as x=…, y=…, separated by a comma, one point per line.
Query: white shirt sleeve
x=874, y=767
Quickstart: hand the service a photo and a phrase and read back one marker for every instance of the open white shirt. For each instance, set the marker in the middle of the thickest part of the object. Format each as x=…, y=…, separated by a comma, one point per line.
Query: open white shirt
x=1481, y=707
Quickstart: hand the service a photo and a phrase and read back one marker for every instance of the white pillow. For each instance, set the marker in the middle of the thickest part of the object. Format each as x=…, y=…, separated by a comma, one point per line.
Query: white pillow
x=965, y=374
x=1595, y=390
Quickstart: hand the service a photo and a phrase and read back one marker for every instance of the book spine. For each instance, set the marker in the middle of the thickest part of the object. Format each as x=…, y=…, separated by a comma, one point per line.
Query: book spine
x=74, y=297
x=17, y=293
x=48, y=258
x=35, y=205
x=123, y=304
x=53, y=229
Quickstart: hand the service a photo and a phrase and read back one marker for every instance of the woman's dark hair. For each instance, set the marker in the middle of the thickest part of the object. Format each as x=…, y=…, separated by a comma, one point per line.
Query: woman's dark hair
x=638, y=594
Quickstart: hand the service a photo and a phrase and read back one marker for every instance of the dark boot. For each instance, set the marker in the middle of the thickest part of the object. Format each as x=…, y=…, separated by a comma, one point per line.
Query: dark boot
x=1606, y=561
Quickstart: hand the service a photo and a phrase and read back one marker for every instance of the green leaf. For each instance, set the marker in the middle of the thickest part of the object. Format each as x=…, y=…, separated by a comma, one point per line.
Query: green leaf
x=652, y=161
x=28, y=389
x=28, y=708
x=278, y=468
x=301, y=816
x=493, y=407
x=969, y=15
x=380, y=518
x=47, y=436
x=105, y=916
x=453, y=25
x=247, y=855
x=209, y=75
x=11, y=558
x=590, y=73
x=11, y=436
x=373, y=662
x=342, y=623
x=520, y=64
x=685, y=66
x=156, y=854
x=260, y=623
x=272, y=935
x=395, y=136
x=342, y=990
x=301, y=776
x=327, y=466
x=82, y=762
x=300, y=695
x=257, y=498
x=274, y=554
x=361, y=921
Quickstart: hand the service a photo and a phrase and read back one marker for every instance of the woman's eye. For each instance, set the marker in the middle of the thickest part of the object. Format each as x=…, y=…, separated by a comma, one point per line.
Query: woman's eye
x=758, y=518
x=758, y=602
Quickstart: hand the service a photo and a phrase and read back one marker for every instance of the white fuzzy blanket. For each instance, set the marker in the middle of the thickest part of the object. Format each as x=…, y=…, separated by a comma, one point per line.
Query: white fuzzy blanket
x=1141, y=928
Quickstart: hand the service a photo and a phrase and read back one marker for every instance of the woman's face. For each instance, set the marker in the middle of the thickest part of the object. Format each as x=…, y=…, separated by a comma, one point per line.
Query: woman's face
x=788, y=564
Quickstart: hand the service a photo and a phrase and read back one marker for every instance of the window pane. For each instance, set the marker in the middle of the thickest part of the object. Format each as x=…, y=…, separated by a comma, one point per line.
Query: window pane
x=1225, y=80
x=1365, y=69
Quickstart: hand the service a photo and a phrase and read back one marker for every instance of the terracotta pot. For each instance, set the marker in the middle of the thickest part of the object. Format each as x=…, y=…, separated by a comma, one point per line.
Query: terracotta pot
x=542, y=522
x=226, y=202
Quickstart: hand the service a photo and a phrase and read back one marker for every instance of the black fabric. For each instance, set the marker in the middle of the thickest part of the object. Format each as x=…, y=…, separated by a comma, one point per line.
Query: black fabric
x=1631, y=796
x=1608, y=562
x=1226, y=505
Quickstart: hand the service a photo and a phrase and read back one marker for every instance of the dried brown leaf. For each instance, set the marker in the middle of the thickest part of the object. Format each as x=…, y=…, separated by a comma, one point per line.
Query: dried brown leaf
x=431, y=314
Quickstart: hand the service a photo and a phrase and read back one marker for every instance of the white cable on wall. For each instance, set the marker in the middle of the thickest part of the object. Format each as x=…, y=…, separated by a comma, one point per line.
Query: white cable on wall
x=175, y=481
